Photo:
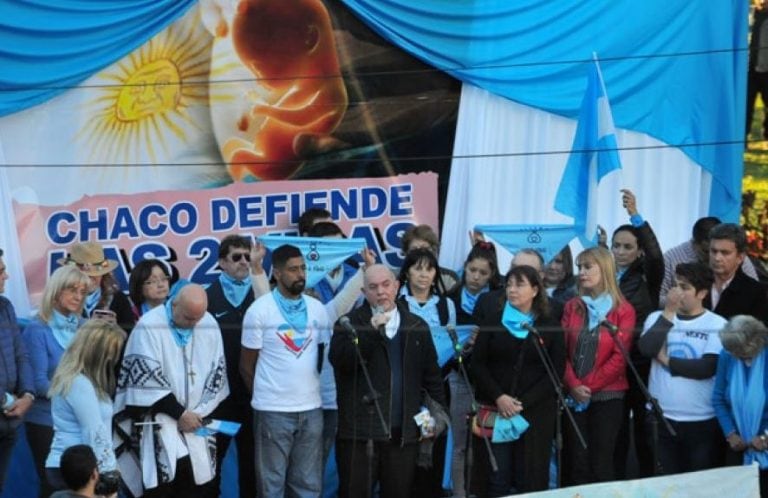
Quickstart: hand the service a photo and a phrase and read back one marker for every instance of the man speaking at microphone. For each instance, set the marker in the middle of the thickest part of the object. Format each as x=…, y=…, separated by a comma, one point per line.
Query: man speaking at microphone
x=397, y=348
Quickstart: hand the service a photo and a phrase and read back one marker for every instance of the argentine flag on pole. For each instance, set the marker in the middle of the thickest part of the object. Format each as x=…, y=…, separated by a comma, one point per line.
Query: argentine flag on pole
x=593, y=155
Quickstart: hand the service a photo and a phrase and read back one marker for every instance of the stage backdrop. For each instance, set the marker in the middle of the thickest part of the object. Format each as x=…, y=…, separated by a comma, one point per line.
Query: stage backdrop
x=155, y=126
x=227, y=120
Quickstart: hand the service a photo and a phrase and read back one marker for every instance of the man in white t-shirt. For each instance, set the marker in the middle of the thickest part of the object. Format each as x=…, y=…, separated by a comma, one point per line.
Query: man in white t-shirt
x=683, y=342
x=284, y=333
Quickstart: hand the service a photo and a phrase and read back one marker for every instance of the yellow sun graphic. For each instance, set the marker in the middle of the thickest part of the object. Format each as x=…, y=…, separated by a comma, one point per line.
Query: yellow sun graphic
x=143, y=101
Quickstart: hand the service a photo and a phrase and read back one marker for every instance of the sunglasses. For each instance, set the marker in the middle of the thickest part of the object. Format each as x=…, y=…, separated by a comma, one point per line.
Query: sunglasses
x=236, y=257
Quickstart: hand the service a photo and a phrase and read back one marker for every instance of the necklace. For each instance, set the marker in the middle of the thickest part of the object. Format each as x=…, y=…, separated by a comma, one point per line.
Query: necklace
x=188, y=361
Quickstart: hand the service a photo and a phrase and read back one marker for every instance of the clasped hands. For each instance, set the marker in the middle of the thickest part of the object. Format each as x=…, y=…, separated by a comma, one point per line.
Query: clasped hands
x=758, y=443
x=508, y=406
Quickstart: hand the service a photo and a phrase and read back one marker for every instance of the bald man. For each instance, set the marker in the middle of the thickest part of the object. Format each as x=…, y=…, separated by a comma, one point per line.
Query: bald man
x=397, y=347
x=173, y=376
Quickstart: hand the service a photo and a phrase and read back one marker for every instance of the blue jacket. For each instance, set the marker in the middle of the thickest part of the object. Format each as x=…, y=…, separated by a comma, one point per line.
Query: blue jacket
x=45, y=354
x=721, y=397
x=15, y=367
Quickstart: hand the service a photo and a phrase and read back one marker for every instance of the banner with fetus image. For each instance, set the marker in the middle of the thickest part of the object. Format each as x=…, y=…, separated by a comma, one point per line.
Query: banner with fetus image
x=236, y=94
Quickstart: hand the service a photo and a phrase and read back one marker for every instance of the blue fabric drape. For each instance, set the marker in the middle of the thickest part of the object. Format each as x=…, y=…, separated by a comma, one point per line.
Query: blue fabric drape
x=50, y=46
x=674, y=69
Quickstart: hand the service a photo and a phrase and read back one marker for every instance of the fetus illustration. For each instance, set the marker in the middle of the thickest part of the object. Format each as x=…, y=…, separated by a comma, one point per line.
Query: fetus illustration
x=301, y=99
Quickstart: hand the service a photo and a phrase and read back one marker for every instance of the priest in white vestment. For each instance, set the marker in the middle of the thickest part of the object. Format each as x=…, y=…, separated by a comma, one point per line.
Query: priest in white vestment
x=173, y=376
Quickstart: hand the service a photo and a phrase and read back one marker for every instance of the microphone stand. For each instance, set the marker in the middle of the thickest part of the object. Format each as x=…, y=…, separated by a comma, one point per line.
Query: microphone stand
x=469, y=456
x=549, y=366
x=612, y=331
x=372, y=400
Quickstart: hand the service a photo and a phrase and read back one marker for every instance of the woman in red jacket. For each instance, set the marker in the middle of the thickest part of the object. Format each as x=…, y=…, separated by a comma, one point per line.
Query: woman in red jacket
x=595, y=370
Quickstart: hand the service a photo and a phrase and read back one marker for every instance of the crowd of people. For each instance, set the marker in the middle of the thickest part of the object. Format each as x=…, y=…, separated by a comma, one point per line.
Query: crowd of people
x=133, y=390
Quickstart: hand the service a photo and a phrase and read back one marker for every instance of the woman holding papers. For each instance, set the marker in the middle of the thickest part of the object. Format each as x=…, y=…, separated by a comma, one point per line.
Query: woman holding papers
x=421, y=289
x=513, y=386
x=80, y=393
x=595, y=368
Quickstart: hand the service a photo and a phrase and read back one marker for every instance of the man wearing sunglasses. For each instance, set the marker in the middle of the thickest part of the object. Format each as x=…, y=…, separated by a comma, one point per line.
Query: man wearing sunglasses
x=229, y=297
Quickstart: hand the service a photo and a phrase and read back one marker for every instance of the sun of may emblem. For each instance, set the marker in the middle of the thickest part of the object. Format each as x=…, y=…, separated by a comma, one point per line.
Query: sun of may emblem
x=144, y=99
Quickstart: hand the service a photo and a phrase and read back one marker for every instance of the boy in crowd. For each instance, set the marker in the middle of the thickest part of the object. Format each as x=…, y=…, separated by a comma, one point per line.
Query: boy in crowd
x=683, y=342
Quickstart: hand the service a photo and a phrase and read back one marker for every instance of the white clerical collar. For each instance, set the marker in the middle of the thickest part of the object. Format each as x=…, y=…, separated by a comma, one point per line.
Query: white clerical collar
x=390, y=329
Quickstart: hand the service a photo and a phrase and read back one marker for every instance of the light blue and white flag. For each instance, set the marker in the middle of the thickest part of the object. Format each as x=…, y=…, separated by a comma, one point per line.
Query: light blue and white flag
x=547, y=240
x=593, y=155
x=443, y=344
x=321, y=254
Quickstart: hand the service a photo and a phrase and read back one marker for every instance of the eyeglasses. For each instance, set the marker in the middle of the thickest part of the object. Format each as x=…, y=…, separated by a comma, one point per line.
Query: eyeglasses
x=235, y=257
x=74, y=289
x=158, y=281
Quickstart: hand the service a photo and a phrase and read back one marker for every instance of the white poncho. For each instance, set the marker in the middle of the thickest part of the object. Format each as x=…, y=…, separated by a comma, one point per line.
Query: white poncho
x=154, y=366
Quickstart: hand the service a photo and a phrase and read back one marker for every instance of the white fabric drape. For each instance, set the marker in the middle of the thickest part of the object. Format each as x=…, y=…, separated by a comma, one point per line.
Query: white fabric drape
x=516, y=177
x=16, y=286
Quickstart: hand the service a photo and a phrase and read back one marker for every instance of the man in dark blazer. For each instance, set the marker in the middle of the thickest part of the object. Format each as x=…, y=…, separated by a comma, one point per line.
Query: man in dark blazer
x=733, y=292
x=397, y=348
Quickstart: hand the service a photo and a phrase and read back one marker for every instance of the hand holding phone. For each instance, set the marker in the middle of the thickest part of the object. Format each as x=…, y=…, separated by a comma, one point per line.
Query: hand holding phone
x=108, y=315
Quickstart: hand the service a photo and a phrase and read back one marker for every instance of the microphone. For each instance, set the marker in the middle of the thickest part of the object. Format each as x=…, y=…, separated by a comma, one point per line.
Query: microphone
x=612, y=328
x=381, y=329
x=347, y=325
x=454, y=338
x=530, y=328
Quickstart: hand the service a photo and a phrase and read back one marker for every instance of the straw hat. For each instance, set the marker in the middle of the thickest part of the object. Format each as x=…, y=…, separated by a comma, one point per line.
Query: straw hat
x=89, y=257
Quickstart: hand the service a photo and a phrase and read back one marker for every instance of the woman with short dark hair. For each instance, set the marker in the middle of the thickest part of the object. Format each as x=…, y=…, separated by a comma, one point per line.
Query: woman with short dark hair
x=510, y=379
x=148, y=286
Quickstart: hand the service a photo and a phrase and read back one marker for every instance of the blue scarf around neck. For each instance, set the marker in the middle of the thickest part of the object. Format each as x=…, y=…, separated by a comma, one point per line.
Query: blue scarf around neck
x=234, y=290
x=597, y=308
x=181, y=336
x=294, y=311
x=747, y=403
x=427, y=311
x=513, y=320
x=468, y=301
x=91, y=300
x=63, y=327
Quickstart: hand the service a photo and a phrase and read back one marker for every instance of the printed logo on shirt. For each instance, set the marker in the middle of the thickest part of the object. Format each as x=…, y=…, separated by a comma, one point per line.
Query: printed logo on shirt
x=294, y=341
x=681, y=350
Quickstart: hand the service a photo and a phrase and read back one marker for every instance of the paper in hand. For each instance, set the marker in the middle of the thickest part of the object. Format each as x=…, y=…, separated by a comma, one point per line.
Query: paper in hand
x=225, y=427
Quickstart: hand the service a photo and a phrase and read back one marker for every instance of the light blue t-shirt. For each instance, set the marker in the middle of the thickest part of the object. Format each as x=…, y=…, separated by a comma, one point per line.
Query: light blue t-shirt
x=81, y=417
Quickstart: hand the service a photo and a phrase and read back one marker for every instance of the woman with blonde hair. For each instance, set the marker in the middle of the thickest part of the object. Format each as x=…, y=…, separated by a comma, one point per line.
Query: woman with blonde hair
x=80, y=394
x=105, y=299
x=46, y=338
x=595, y=368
